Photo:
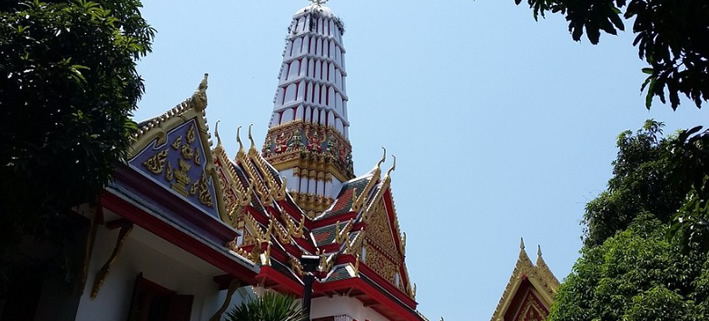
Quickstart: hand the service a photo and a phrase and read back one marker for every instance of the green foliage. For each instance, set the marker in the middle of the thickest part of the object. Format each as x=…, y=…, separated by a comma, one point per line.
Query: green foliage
x=638, y=274
x=670, y=36
x=270, y=306
x=645, y=255
x=691, y=153
x=644, y=180
x=68, y=83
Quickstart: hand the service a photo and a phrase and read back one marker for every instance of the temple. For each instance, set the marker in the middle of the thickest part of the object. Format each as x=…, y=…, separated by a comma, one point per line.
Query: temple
x=530, y=291
x=188, y=229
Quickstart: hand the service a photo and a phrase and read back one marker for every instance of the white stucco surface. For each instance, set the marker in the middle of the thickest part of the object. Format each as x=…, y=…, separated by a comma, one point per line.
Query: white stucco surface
x=161, y=263
x=342, y=305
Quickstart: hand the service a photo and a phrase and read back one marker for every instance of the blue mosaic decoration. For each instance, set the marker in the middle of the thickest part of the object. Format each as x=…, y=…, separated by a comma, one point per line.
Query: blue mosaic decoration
x=179, y=165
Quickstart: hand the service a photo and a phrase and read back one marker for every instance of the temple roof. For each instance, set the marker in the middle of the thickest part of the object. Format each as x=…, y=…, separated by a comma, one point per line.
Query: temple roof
x=526, y=273
x=298, y=195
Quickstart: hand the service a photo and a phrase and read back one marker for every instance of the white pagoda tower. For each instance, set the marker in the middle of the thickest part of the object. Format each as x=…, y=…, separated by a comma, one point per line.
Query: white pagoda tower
x=307, y=140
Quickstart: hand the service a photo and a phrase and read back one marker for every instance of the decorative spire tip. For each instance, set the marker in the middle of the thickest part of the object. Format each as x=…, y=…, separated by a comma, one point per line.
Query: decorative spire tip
x=539, y=250
x=521, y=243
x=319, y=3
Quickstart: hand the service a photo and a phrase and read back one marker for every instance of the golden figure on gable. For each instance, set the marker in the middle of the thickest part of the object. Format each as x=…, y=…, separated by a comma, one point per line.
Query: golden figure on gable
x=181, y=178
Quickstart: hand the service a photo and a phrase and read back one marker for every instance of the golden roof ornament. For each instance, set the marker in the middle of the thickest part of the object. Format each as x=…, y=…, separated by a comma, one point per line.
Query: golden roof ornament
x=240, y=154
x=384, y=158
x=251, y=138
x=199, y=98
x=216, y=133
x=393, y=167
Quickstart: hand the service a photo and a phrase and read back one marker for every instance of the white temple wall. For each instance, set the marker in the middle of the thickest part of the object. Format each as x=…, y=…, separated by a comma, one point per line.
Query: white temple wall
x=324, y=307
x=160, y=262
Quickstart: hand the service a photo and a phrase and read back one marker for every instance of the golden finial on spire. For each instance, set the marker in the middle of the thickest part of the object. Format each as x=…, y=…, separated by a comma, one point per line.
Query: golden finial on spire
x=216, y=133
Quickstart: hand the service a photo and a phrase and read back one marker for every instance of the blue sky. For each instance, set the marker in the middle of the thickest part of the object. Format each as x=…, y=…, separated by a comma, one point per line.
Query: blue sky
x=503, y=126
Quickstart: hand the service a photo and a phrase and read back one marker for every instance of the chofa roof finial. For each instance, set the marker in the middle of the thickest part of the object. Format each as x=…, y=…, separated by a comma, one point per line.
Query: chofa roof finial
x=251, y=138
x=216, y=133
x=393, y=167
x=240, y=154
x=384, y=158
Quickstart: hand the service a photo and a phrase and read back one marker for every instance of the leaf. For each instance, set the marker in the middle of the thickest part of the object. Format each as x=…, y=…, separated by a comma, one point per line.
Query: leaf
x=650, y=91
x=648, y=71
x=593, y=33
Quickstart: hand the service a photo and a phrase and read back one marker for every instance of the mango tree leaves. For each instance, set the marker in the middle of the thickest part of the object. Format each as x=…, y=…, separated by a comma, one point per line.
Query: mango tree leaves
x=671, y=37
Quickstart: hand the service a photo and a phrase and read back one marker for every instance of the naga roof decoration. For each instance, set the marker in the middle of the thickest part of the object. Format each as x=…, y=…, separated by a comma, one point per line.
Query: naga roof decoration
x=530, y=291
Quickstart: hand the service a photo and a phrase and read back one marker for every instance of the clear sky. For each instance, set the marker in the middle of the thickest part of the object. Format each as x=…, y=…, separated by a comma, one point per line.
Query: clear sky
x=503, y=126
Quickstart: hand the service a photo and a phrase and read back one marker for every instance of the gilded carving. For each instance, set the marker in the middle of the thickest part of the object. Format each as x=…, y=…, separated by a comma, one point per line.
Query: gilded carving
x=295, y=265
x=193, y=189
x=156, y=164
x=311, y=203
x=531, y=311
x=204, y=196
x=381, y=263
x=309, y=146
x=190, y=135
x=181, y=178
x=169, y=173
x=380, y=232
x=187, y=152
x=197, y=158
x=177, y=143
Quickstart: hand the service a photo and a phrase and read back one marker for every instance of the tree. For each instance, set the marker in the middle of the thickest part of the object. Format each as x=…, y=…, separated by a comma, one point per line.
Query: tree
x=270, y=306
x=68, y=84
x=643, y=181
x=670, y=36
x=633, y=267
x=636, y=275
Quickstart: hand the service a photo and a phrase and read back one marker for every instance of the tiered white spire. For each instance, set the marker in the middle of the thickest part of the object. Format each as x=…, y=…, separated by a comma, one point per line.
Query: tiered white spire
x=312, y=80
x=308, y=139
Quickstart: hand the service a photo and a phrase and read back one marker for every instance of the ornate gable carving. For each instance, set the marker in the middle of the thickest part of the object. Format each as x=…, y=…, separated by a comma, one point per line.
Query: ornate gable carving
x=539, y=278
x=179, y=165
x=173, y=151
